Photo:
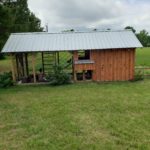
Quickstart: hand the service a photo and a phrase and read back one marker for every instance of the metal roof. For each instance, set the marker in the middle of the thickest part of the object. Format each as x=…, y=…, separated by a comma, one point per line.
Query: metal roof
x=34, y=42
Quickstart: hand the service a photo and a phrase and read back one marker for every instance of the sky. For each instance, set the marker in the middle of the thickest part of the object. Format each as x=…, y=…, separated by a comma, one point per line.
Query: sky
x=84, y=15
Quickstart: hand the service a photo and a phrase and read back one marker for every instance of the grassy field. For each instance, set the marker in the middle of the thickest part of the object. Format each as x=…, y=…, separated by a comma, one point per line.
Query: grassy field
x=86, y=116
x=89, y=116
x=143, y=57
x=5, y=65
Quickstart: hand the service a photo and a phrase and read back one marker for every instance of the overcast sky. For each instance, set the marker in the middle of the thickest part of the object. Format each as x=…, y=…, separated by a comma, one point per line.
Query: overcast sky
x=89, y=14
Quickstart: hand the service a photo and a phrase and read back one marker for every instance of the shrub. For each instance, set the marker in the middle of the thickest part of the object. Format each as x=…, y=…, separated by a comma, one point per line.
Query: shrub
x=139, y=75
x=6, y=80
x=2, y=56
x=58, y=76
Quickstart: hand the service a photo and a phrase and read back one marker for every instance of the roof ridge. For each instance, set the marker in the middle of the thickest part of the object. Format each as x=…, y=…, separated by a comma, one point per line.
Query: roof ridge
x=98, y=31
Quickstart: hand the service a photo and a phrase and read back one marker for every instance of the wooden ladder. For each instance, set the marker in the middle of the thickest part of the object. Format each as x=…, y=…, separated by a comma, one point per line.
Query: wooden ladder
x=48, y=61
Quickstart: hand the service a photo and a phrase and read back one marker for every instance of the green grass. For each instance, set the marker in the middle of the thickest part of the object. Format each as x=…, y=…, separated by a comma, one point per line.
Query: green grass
x=5, y=65
x=143, y=57
x=85, y=116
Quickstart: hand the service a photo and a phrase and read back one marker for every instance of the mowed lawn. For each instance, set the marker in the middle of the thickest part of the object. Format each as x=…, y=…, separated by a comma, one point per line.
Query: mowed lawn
x=143, y=57
x=87, y=116
x=5, y=65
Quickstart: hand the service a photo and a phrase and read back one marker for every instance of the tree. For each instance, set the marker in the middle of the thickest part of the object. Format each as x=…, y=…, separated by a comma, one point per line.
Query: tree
x=70, y=30
x=5, y=25
x=144, y=38
x=24, y=20
x=15, y=16
x=34, y=23
x=130, y=28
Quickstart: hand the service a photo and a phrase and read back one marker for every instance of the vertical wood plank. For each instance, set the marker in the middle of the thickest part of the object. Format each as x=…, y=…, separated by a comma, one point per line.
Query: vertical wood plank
x=113, y=65
x=121, y=52
x=130, y=64
x=93, y=57
x=99, y=65
x=127, y=64
x=116, y=64
x=110, y=65
x=102, y=65
x=133, y=69
x=106, y=65
x=122, y=66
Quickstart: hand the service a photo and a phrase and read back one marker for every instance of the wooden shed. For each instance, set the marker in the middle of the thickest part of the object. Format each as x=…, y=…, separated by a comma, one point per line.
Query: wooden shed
x=96, y=56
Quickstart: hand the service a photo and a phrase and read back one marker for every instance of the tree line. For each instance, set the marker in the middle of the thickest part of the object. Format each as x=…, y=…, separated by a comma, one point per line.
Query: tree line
x=143, y=36
x=15, y=16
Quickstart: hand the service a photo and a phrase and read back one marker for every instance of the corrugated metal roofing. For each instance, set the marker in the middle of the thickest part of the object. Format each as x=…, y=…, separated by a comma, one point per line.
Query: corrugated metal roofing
x=32, y=42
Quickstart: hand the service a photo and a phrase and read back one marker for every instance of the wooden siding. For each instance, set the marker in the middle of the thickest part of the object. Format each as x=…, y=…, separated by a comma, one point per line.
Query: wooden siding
x=113, y=65
x=110, y=65
x=80, y=67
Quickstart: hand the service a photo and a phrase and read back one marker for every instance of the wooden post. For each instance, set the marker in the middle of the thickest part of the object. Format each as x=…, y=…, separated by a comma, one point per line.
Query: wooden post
x=13, y=67
x=58, y=57
x=43, y=69
x=84, y=75
x=74, y=75
x=26, y=63
x=74, y=57
x=33, y=67
x=17, y=67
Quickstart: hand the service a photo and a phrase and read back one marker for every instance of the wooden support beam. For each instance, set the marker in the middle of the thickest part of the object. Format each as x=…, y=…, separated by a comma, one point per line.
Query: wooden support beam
x=74, y=75
x=26, y=62
x=33, y=67
x=17, y=67
x=20, y=64
x=58, y=57
x=84, y=75
x=13, y=67
x=43, y=69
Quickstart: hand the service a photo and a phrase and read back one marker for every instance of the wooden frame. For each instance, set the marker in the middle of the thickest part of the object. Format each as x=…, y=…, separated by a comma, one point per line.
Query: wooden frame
x=13, y=67
x=33, y=67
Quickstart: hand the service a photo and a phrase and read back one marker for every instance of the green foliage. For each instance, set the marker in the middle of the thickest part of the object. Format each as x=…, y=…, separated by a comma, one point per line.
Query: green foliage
x=144, y=38
x=130, y=28
x=24, y=20
x=143, y=57
x=139, y=75
x=58, y=76
x=15, y=16
x=6, y=80
x=2, y=56
x=69, y=30
x=5, y=26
